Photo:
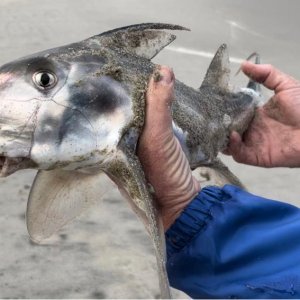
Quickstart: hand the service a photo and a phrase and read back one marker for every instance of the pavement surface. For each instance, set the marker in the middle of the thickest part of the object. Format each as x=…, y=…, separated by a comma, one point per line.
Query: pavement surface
x=106, y=253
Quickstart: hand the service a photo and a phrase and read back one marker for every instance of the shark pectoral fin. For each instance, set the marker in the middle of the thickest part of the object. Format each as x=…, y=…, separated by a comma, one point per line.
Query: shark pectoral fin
x=145, y=40
x=57, y=197
x=127, y=173
x=218, y=73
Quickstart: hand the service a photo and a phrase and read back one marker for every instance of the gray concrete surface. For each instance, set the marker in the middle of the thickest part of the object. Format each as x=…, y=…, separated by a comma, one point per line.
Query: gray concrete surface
x=106, y=253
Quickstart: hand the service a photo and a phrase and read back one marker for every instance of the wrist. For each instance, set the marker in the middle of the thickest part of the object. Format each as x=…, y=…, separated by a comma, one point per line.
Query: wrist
x=169, y=172
x=178, y=187
x=170, y=212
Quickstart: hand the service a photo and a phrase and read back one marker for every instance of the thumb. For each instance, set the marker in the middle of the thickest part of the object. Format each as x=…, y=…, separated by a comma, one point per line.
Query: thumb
x=269, y=76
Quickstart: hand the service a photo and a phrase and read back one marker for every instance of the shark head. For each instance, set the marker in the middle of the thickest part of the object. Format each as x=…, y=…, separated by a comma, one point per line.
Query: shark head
x=56, y=111
x=67, y=107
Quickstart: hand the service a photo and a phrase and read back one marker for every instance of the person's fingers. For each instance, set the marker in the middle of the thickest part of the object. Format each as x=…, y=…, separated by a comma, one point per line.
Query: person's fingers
x=269, y=76
x=234, y=142
x=240, y=151
x=159, y=98
x=160, y=88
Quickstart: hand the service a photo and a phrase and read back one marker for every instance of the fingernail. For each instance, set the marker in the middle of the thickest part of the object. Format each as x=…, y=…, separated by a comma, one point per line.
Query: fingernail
x=245, y=68
x=247, y=62
x=163, y=75
x=157, y=76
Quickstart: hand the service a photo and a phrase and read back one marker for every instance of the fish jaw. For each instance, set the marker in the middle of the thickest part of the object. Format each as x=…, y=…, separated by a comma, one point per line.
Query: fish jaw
x=17, y=124
x=9, y=165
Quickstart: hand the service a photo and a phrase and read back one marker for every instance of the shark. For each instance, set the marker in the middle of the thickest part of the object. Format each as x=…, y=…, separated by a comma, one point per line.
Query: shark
x=75, y=114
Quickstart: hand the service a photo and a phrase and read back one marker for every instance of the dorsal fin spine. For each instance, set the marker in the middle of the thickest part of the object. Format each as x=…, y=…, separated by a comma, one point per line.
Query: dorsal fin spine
x=145, y=40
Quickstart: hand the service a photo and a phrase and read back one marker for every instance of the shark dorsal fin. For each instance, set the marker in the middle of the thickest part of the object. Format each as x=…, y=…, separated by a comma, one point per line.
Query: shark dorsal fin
x=218, y=72
x=145, y=40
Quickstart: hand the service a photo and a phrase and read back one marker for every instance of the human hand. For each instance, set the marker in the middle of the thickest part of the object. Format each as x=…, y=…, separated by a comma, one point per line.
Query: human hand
x=163, y=161
x=273, y=137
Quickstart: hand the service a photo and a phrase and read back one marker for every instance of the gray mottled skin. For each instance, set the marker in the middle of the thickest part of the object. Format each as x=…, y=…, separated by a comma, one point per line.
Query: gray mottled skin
x=77, y=111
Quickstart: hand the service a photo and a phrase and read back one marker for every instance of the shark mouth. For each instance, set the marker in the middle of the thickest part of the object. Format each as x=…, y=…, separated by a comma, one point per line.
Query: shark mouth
x=9, y=165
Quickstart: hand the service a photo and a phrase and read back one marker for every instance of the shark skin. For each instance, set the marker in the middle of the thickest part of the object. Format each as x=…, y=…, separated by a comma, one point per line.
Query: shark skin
x=75, y=113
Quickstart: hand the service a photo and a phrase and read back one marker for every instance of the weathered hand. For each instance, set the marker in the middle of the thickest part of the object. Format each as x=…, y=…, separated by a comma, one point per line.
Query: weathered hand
x=163, y=161
x=273, y=137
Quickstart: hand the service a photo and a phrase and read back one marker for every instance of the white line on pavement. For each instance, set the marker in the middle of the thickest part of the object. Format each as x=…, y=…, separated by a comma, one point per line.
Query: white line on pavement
x=205, y=54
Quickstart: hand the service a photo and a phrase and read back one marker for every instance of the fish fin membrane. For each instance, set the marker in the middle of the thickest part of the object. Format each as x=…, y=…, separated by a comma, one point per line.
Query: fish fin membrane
x=127, y=173
x=57, y=197
x=145, y=40
x=218, y=73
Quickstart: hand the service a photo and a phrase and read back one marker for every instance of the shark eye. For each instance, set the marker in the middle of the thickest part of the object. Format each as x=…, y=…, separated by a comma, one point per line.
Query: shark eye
x=44, y=79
